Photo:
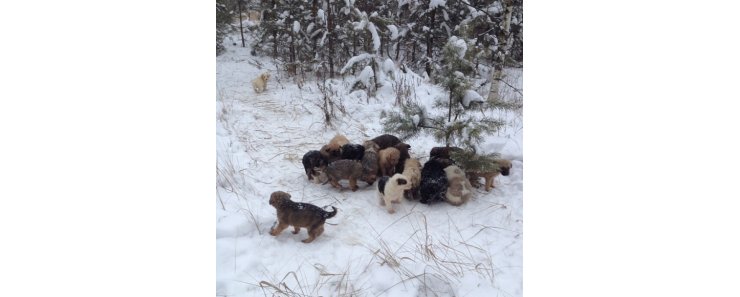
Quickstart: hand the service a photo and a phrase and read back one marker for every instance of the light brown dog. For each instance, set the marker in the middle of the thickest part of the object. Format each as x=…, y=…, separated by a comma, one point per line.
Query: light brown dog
x=299, y=215
x=412, y=170
x=459, y=189
x=260, y=83
x=333, y=150
x=254, y=16
x=388, y=159
x=503, y=169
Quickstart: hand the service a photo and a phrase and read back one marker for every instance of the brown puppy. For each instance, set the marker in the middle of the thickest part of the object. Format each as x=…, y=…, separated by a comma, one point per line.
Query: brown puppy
x=299, y=215
x=370, y=165
x=386, y=140
x=503, y=169
x=333, y=150
x=388, y=159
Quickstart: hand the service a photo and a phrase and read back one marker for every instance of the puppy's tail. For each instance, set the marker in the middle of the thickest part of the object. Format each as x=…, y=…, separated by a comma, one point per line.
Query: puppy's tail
x=328, y=215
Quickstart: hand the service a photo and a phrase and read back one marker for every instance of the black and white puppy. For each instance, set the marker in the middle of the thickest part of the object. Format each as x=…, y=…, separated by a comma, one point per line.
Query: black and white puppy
x=390, y=190
x=311, y=161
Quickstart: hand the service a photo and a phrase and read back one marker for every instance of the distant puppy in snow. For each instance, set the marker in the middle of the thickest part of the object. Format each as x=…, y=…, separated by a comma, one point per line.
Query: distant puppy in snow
x=299, y=215
x=260, y=83
x=390, y=190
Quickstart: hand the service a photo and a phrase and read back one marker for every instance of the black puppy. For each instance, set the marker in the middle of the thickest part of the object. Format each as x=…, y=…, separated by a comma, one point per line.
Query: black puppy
x=434, y=182
x=311, y=160
x=353, y=151
x=443, y=151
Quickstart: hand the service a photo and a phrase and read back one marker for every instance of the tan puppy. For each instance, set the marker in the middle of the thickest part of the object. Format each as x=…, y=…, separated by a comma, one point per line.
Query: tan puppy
x=333, y=150
x=459, y=189
x=388, y=159
x=503, y=168
x=412, y=170
x=390, y=190
x=260, y=83
x=254, y=16
x=298, y=215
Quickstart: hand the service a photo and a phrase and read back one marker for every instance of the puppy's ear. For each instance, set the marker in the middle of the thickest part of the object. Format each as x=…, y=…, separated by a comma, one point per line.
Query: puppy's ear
x=401, y=181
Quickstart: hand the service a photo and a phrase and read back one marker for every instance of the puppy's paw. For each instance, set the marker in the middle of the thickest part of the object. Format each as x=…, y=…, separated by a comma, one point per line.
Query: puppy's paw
x=391, y=211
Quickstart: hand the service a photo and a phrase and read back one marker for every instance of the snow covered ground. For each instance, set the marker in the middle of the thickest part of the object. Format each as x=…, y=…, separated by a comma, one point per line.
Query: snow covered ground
x=421, y=250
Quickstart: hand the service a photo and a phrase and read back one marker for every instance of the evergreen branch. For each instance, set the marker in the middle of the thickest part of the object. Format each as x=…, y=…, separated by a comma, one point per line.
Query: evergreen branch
x=506, y=83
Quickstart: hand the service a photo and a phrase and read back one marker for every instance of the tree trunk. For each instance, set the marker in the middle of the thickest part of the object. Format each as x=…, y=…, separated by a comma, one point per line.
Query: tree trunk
x=413, y=50
x=241, y=29
x=499, y=58
x=430, y=42
x=398, y=47
x=449, y=110
x=330, y=29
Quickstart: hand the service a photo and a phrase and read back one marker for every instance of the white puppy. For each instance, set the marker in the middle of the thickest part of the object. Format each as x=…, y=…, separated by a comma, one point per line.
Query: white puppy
x=260, y=83
x=459, y=189
x=390, y=190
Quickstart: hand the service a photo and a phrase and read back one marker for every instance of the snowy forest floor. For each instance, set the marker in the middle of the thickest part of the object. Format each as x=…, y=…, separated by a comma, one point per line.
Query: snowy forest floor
x=421, y=250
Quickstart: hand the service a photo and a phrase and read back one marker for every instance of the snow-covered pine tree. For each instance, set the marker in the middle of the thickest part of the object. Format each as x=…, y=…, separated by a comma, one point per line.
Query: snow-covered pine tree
x=503, y=46
x=224, y=23
x=452, y=123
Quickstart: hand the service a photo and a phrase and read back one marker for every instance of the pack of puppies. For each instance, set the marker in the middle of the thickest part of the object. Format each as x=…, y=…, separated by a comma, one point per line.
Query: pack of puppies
x=386, y=159
x=384, y=155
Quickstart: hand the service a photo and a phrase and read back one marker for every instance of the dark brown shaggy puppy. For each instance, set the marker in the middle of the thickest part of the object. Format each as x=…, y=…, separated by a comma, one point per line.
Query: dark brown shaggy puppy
x=386, y=141
x=503, y=168
x=388, y=159
x=299, y=215
x=369, y=144
x=403, y=148
x=344, y=169
x=312, y=160
x=352, y=151
x=443, y=151
x=370, y=165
